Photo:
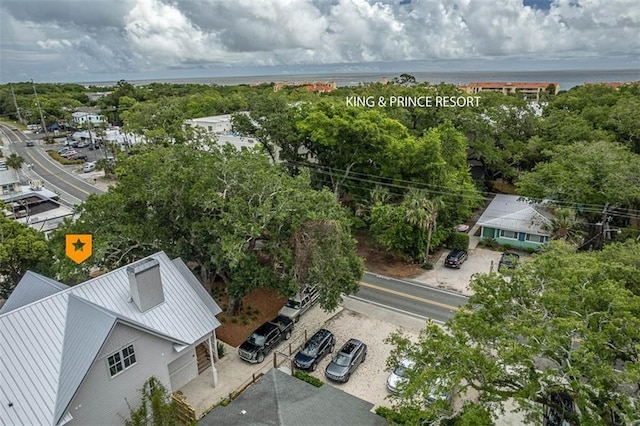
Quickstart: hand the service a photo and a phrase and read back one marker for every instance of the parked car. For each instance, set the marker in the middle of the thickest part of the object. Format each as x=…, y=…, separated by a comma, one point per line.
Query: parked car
x=344, y=363
x=83, y=144
x=265, y=338
x=69, y=153
x=319, y=345
x=64, y=150
x=508, y=260
x=78, y=156
x=456, y=258
x=300, y=303
x=398, y=376
x=72, y=143
x=89, y=167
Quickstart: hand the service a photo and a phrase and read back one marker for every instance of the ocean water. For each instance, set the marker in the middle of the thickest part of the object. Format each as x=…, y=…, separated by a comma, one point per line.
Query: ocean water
x=566, y=78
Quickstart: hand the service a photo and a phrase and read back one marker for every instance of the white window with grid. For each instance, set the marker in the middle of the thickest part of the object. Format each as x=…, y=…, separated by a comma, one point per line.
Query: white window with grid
x=121, y=360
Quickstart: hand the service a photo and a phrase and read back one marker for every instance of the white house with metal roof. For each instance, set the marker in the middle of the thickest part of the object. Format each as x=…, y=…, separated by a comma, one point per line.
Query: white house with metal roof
x=79, y=355
x=510, y=220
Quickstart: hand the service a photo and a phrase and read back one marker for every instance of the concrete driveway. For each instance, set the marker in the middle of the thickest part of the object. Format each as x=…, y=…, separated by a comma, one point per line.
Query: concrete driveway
x=479, y=261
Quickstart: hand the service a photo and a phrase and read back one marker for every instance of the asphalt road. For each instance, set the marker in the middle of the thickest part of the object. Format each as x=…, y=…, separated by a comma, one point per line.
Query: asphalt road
x=411, y=298
x=58, y=178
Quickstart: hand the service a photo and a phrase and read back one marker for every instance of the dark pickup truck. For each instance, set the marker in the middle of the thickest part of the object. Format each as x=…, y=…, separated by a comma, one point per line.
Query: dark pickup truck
x=265, y=338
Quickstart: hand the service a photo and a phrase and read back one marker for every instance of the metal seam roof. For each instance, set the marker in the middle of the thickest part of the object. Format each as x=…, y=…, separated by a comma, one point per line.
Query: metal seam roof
x=38, y=377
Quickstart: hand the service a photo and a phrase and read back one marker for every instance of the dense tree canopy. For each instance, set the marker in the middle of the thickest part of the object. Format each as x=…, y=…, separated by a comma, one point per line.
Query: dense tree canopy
x=561, y=324
x=230, y=214
x=21, y=249
x=586, y=173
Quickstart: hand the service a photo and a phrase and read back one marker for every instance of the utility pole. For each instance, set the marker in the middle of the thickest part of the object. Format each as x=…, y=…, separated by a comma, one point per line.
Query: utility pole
x=44, y=125
x=15, y=103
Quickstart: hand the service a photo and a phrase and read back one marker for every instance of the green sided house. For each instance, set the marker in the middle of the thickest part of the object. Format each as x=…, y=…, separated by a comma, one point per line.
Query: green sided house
x=515, y=222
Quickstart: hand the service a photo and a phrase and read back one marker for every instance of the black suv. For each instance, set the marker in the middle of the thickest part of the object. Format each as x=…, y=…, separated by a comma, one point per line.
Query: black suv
x=456, y=258
x=348, y=358
x=314, y=350
x=508, y=260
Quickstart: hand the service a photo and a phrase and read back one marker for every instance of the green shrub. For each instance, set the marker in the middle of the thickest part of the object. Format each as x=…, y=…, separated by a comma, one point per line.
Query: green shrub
x=427, y=266
x=234, y=320
x=459, y=240
x=305, y=377
x=406, y=415
x=506, y=247
x=490, y=242
x=221, y=349
x=530, y=250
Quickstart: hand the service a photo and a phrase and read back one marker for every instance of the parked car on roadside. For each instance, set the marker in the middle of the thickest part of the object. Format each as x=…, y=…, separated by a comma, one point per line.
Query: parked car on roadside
x=344, y=363
x=300, y=303
x=319, y=345
x=508, y=260
x=89, y=167
x=456, y=258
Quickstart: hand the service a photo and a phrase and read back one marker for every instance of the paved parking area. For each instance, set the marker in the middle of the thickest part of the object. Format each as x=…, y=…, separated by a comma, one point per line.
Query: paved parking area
x=481, y=260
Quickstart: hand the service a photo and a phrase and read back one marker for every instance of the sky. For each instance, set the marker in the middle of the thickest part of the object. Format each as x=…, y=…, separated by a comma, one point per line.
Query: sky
x=94, y=40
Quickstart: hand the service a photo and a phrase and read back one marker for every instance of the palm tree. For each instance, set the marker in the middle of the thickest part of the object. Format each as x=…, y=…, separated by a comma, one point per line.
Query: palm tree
x=379, y=195
x=566, y=226
x=15, y=161
x=422, y=213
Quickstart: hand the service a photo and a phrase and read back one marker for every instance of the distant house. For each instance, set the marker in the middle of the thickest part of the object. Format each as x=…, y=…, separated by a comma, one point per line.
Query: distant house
x=516, y=223
x=506, y=88
x=79, y=355
x=309, y=86
x=9, y=182
x=219, y=124
x=278, y=399
x=81, y=117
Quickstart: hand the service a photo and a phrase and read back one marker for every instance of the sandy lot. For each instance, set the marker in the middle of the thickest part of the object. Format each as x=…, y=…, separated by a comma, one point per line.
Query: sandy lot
x=370, y=378
x=481, y=260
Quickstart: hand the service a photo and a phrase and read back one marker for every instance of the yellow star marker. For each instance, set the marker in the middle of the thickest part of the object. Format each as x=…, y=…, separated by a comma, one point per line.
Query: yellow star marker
x=78, y=247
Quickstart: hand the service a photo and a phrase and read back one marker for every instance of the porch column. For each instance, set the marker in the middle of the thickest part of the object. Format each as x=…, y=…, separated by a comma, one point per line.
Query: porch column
x=213, y=350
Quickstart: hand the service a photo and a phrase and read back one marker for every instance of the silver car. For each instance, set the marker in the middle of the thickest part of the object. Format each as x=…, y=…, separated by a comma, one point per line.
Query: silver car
x=349, y=357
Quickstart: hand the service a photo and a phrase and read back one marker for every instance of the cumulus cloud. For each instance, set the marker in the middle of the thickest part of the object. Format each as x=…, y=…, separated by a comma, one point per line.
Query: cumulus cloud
x=148, y=35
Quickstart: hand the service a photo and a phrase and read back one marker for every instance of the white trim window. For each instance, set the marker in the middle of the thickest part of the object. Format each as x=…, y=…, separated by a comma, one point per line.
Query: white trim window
x=121, y=360
x=508, y=234
x=534, y=238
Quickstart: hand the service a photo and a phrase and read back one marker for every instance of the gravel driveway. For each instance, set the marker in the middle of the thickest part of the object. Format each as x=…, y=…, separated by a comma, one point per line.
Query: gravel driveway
x=369, y=380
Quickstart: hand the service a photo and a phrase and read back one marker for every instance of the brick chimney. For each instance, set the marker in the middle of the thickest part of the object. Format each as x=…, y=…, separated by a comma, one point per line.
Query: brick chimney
x=145, y=284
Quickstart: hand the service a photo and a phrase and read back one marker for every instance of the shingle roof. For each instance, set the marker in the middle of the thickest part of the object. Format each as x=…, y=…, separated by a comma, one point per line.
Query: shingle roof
x=40, y=371
x=279, y=399
x=509, y=213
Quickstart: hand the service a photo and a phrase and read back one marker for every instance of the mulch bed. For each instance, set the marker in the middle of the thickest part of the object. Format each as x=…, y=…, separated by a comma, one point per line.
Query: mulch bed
x=258, y=307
